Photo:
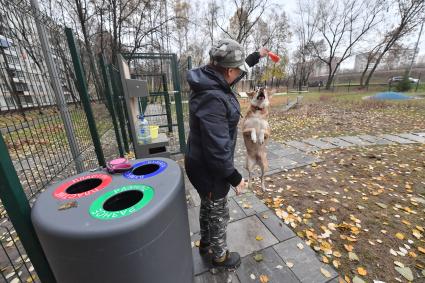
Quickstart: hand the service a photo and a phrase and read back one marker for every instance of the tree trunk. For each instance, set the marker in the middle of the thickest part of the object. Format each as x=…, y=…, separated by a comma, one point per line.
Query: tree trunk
x=369, y=76
x=363, y=75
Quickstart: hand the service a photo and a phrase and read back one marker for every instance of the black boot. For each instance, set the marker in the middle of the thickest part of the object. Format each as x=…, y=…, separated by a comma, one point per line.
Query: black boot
x=231, y=260
x=204, y=248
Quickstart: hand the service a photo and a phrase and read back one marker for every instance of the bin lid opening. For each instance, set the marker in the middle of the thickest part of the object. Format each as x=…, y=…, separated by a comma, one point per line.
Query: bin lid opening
x=83, y=186
x=145, y=169
x=123, y=200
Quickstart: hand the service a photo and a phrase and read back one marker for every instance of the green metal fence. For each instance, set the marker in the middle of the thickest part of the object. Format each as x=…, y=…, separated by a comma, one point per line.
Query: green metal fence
x=42, y=146
x=164, y=105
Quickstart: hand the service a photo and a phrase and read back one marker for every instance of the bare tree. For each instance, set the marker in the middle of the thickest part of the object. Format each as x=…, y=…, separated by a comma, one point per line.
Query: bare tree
x=410, y=13
x=342, y=27
x=371, y=56
x=181, y=10
x=246, y=16
x=83, y=12
x=211, y=19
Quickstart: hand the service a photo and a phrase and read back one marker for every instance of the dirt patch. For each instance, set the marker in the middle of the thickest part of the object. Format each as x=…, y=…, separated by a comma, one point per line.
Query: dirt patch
x=367, y=201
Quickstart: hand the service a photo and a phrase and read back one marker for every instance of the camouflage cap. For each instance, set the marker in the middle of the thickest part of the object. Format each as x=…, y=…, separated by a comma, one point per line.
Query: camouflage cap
x=228, y=53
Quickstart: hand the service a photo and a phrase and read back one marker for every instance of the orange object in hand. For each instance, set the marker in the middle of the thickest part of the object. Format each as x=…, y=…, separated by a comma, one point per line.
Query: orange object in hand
x=275, y=58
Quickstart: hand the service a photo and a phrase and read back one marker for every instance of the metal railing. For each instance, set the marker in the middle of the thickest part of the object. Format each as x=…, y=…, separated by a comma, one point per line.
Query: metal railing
x=43, y=118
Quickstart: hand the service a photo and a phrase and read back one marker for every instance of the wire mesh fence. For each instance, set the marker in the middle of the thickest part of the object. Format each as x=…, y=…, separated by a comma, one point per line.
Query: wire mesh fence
x=31, y=119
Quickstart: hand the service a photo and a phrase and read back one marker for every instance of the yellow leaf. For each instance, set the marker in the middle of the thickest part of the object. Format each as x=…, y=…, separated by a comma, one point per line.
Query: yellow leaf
x=326, y=273
x=197, y=243
x=417, y=234
x=422, y=250
x=399, y=236
x=264, y=278
x=412, y=254
x=349, y=248
x=337, y=254
x=325, y=259
x=259, y=238
x=325, y=246
x=406, y=222
x=362, y=271
x=309, y=234
x=246, y=205
x=336, y=263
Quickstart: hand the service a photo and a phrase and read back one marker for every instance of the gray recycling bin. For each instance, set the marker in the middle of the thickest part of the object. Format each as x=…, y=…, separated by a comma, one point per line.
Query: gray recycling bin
x=131, y=227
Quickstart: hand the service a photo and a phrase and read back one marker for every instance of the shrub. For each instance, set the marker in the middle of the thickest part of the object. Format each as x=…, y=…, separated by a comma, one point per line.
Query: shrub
x=404, y=85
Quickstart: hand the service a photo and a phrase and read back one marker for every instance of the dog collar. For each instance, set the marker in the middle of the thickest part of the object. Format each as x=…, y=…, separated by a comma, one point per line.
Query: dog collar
x=257, y=108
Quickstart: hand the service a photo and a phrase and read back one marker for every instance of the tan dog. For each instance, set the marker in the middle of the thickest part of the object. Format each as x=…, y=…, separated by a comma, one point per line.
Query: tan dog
x=256, y=132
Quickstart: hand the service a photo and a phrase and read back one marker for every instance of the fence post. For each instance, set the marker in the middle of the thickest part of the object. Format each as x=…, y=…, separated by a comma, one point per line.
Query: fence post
x=116, y=91
x=57, y=89
x=178, y=101
x=84, y=95
x=349, y=84
x=189, y=62
x=15, y=201
x=167, y=102
x=110, y=103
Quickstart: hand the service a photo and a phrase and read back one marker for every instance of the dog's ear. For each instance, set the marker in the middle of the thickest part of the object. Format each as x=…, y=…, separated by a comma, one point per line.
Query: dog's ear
x=251, y=94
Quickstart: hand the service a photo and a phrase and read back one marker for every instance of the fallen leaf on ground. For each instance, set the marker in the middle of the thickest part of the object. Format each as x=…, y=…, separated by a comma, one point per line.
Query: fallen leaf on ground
x=264, y=278
x=258, y=257
x=349, y=248
x=326, y=273
x=405, y=272
x=357, y=279
x=353, y=256
x=362, y=271
x=399, y=236
x=259, y=238
x=336, y=263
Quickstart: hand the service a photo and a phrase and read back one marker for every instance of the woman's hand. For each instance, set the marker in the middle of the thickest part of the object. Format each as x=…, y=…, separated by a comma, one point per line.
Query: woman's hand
x=239, y=188
x=263, y=51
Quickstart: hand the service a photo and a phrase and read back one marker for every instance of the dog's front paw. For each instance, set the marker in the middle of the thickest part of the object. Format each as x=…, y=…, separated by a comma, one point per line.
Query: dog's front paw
x=253, y=137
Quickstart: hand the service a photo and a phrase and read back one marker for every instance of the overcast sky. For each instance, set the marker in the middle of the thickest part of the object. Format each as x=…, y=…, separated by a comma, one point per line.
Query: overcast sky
x=291, y=5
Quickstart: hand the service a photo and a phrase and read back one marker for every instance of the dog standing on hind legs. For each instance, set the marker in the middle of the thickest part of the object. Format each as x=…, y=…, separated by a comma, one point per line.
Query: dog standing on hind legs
x=256, y=132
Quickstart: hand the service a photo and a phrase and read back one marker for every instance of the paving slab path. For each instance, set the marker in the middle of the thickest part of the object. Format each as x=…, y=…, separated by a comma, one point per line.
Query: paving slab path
x=282, y=259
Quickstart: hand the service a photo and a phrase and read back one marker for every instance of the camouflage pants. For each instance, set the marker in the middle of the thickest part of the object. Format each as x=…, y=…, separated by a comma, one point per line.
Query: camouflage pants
x=213, y=219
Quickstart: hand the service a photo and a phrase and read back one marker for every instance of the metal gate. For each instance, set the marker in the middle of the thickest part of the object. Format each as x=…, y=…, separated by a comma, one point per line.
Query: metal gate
x=163, y=107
